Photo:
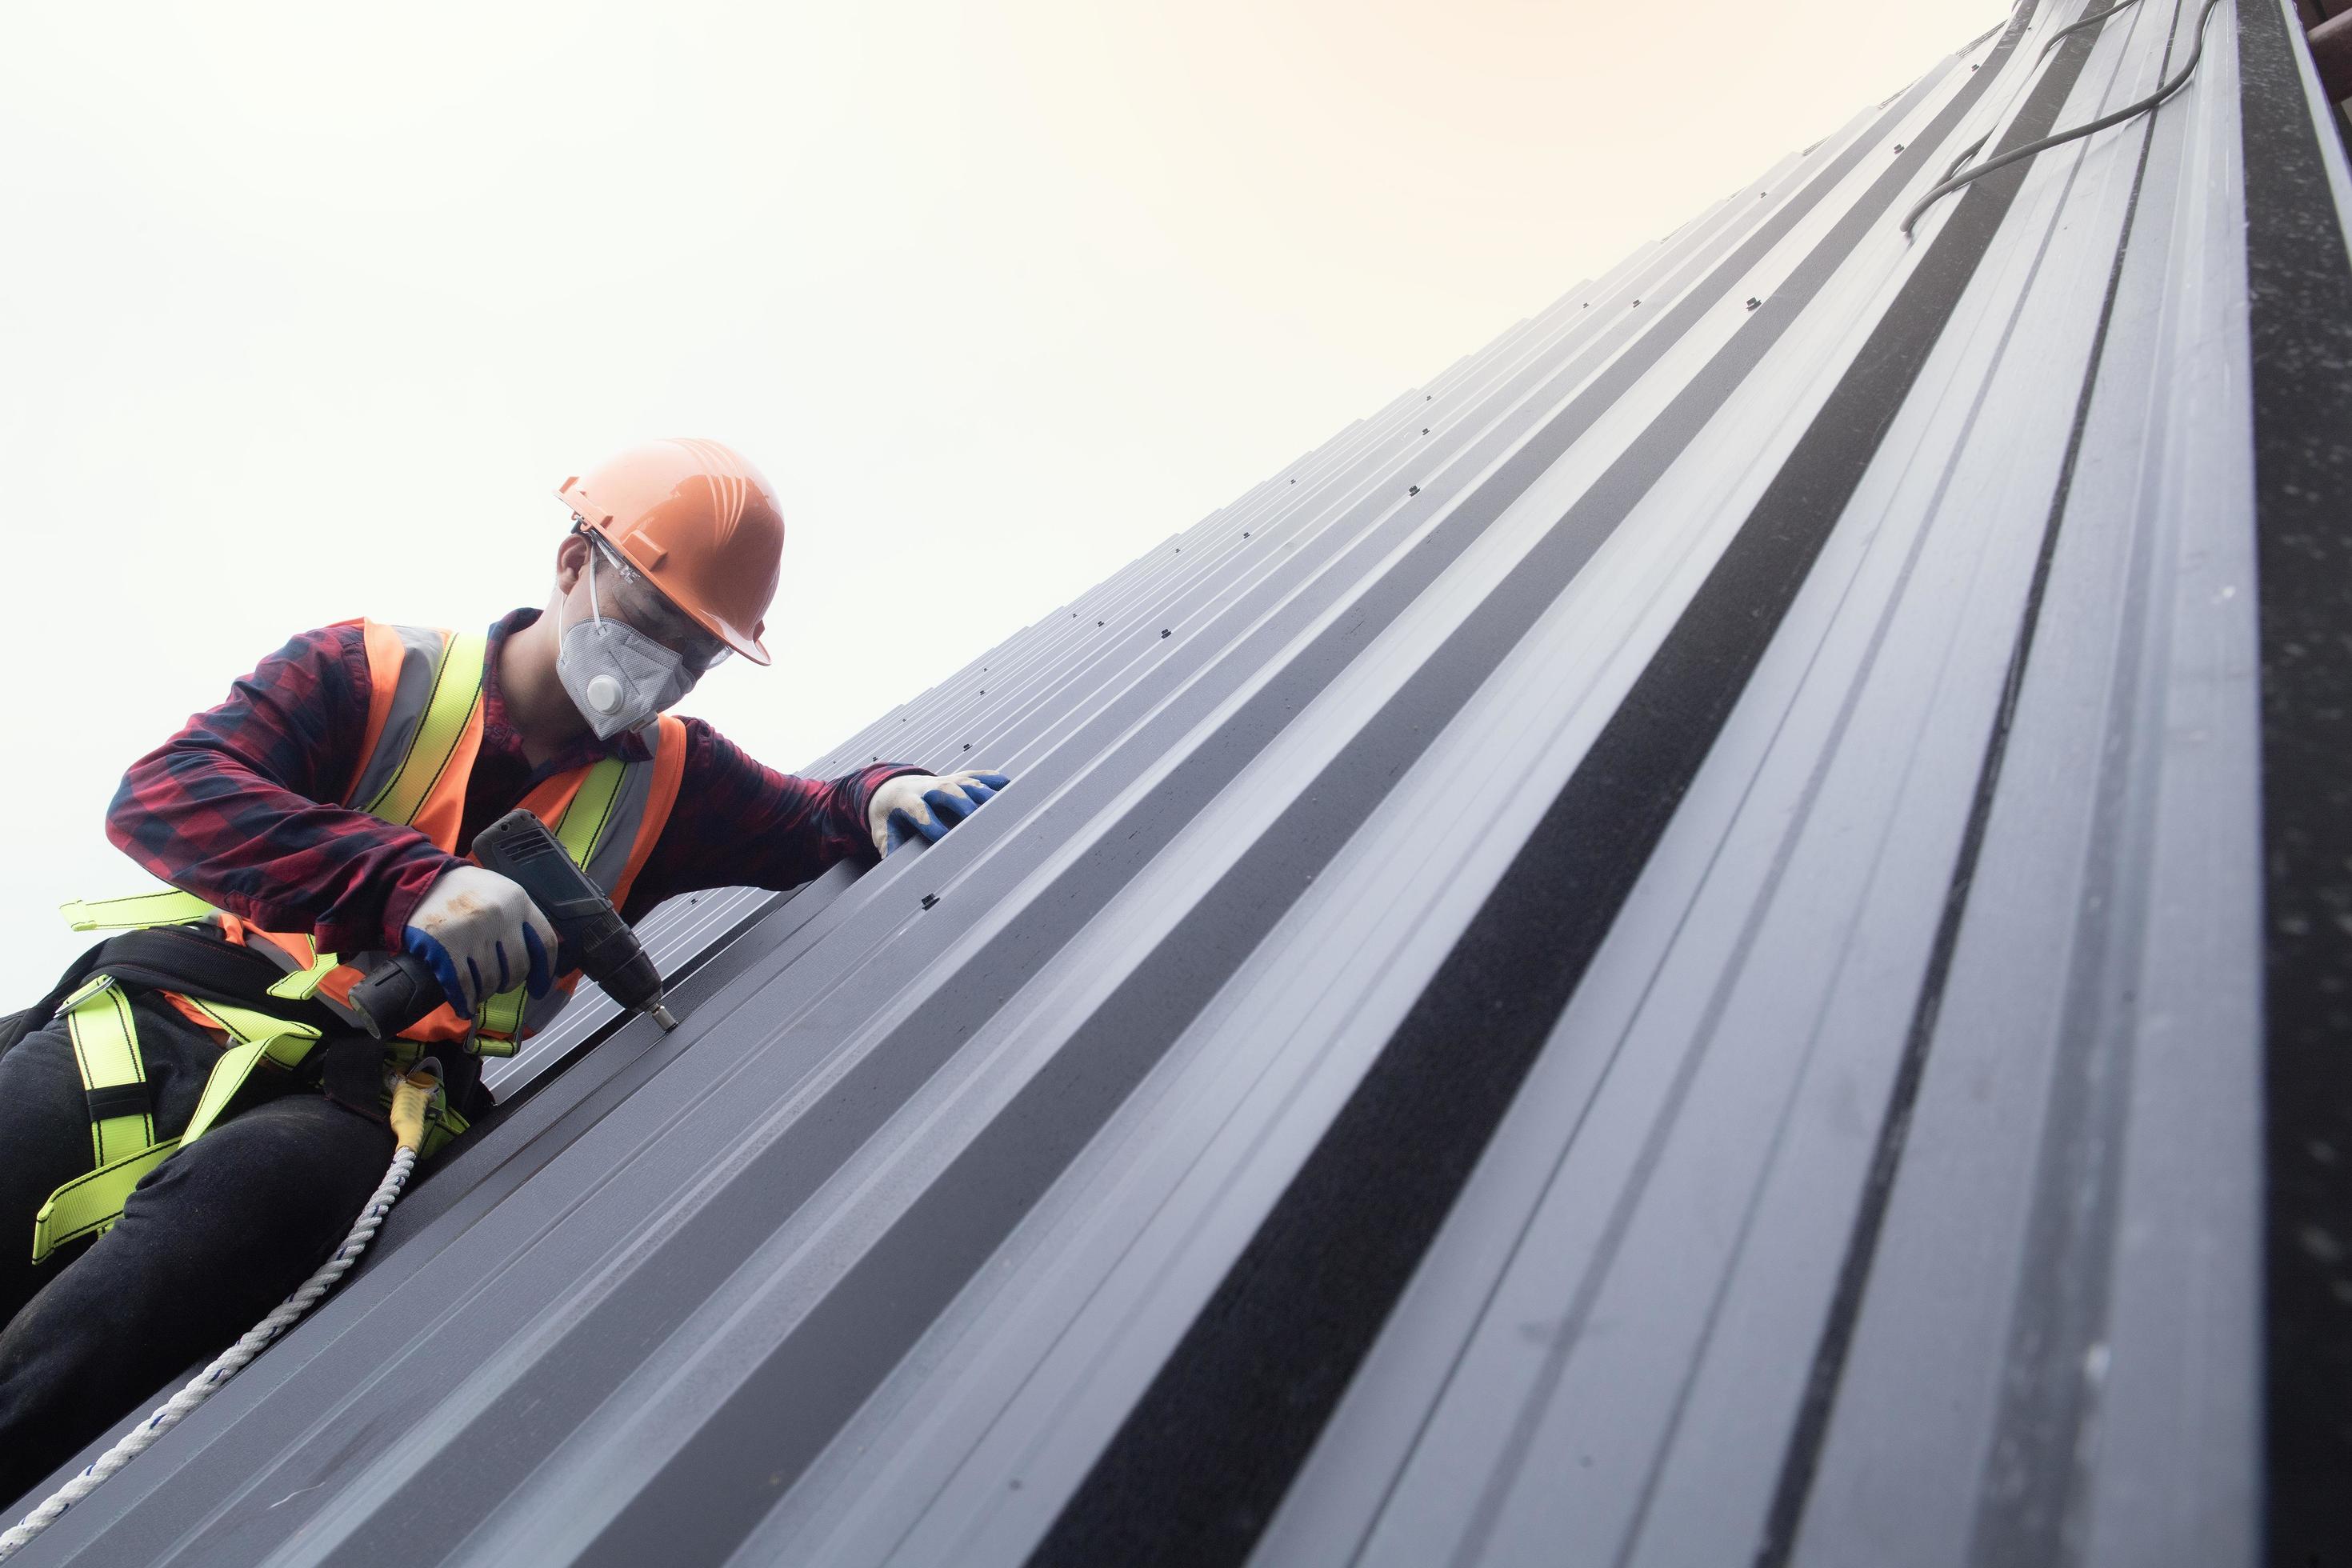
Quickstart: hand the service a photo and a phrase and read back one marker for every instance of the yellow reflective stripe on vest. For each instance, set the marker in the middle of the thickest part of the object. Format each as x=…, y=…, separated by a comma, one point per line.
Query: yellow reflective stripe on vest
x=590, y=810
x=90, y=1203
x=168, y=908
x=456, y=690
x=582, y=829
x=106, y=1049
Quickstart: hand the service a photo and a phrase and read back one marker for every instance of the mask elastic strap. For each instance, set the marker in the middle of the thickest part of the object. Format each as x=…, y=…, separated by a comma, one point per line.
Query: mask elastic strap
x=595, y=611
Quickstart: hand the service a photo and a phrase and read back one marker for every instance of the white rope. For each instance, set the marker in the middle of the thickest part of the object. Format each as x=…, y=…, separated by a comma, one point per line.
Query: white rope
x=205, y=1384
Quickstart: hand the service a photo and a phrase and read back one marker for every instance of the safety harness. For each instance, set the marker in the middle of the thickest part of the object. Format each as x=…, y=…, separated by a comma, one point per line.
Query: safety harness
x=425, y=726
x=121, y=1114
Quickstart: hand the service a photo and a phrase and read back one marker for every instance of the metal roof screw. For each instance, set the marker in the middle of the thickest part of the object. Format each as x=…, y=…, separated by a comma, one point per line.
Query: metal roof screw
x=1244, y=533
x=1098, y=623
x=1753, y=303
x=967, y=745
x=1899, y=146
x=1413, y=489
x=1424, y=430
x=1637, y=301
x=930, y=898
x=1163, y=631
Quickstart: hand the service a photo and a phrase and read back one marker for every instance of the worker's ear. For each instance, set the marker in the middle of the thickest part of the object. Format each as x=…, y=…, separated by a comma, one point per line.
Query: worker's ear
x=571, y=560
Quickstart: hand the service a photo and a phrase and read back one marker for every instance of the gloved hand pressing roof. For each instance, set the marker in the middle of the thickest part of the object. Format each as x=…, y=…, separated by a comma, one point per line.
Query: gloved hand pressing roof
x=926, y=805
x=480, y=934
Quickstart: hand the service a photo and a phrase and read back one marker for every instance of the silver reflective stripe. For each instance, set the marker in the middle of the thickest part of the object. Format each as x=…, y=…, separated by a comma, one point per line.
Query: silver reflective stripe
x=420, y=659
x=607, y=860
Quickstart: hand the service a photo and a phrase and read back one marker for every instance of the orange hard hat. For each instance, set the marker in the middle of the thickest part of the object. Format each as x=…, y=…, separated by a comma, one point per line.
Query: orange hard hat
x=699, y=523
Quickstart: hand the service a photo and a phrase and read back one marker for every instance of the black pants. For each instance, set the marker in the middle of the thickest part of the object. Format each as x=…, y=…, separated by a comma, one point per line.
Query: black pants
x=210, y=1241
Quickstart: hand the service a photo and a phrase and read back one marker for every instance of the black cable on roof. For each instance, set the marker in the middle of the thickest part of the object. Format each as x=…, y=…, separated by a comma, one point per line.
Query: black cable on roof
x=2031, y=148
x=2081, y=22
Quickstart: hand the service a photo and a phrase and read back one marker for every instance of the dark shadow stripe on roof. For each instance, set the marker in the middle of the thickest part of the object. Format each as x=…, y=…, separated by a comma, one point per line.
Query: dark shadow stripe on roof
x=731, y=1470
x=2299, y=290
x=1198, y=1466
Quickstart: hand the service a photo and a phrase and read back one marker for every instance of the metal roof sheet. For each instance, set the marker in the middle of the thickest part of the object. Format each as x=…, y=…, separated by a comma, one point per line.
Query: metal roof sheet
x=1657, y=955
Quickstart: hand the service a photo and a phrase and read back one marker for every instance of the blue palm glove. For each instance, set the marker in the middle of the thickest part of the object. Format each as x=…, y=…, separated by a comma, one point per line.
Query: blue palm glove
x=480, y=934
x=925, y=805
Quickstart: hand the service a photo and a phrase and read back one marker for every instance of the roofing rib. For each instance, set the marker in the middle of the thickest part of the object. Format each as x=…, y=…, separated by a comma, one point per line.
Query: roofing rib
x=1655, y=955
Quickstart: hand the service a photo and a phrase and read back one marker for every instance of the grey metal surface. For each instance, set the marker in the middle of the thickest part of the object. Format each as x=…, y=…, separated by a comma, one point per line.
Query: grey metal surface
x=1885, y=1188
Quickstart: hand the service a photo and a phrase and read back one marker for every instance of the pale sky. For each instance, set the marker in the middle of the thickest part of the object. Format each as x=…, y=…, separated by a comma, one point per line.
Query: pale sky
x=306, y=310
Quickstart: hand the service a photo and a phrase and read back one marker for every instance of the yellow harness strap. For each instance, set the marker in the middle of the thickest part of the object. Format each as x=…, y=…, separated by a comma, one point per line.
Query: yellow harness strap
x=106, y=1049
x=113, y=1078
x=140, y=910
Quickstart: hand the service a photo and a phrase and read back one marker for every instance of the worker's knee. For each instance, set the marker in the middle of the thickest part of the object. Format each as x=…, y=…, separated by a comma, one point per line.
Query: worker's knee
x=270, y=1189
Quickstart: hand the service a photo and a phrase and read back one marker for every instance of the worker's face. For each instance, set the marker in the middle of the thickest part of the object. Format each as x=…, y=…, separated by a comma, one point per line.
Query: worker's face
x=620, y=593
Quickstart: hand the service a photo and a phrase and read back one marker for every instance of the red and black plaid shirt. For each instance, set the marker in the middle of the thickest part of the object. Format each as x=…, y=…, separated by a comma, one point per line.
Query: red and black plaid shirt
x=239, y=807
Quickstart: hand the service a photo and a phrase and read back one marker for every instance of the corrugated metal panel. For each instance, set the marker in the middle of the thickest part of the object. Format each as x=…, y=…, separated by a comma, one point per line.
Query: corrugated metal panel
x=1655, y=956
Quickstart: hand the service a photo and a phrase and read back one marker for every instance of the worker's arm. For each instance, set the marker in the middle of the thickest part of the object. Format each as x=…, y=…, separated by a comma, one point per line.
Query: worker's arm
x=740, y=823
x=238, y=808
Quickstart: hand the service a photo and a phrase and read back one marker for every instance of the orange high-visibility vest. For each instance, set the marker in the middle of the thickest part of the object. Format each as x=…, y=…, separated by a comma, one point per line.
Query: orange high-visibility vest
x=424, y=731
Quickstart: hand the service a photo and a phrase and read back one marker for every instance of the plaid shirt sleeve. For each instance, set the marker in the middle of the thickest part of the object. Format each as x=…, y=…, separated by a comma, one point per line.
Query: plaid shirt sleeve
x=239, y=807
x=740, y=824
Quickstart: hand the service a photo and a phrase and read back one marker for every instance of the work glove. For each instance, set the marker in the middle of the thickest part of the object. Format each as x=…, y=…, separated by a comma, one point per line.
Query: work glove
x=480, y=934
x=925, y=805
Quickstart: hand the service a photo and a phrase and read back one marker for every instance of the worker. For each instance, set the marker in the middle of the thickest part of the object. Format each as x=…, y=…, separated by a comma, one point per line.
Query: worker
x=191, y=1121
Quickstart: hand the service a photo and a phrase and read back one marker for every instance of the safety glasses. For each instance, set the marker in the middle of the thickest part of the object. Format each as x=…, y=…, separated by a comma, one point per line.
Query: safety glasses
x=641, y=605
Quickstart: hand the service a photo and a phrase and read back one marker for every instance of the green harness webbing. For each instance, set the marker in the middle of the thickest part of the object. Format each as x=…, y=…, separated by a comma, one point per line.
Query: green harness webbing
x=122, y=1122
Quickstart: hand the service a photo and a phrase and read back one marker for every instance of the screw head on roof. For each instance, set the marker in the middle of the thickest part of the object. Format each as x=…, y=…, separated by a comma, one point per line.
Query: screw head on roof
x=1098, y=623
x=1424, y=430
x=1163, y=631
x=930, y=898
x=1753, y=303
x=1244, y=533
x=1899, y=146
x=1413, y=489
x=967, y=745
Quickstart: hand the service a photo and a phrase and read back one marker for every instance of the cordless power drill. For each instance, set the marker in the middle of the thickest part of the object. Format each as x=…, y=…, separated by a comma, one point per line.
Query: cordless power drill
x=590, y=933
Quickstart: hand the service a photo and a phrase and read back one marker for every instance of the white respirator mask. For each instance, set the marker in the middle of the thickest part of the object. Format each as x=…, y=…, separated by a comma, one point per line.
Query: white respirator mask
x=616, y=675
